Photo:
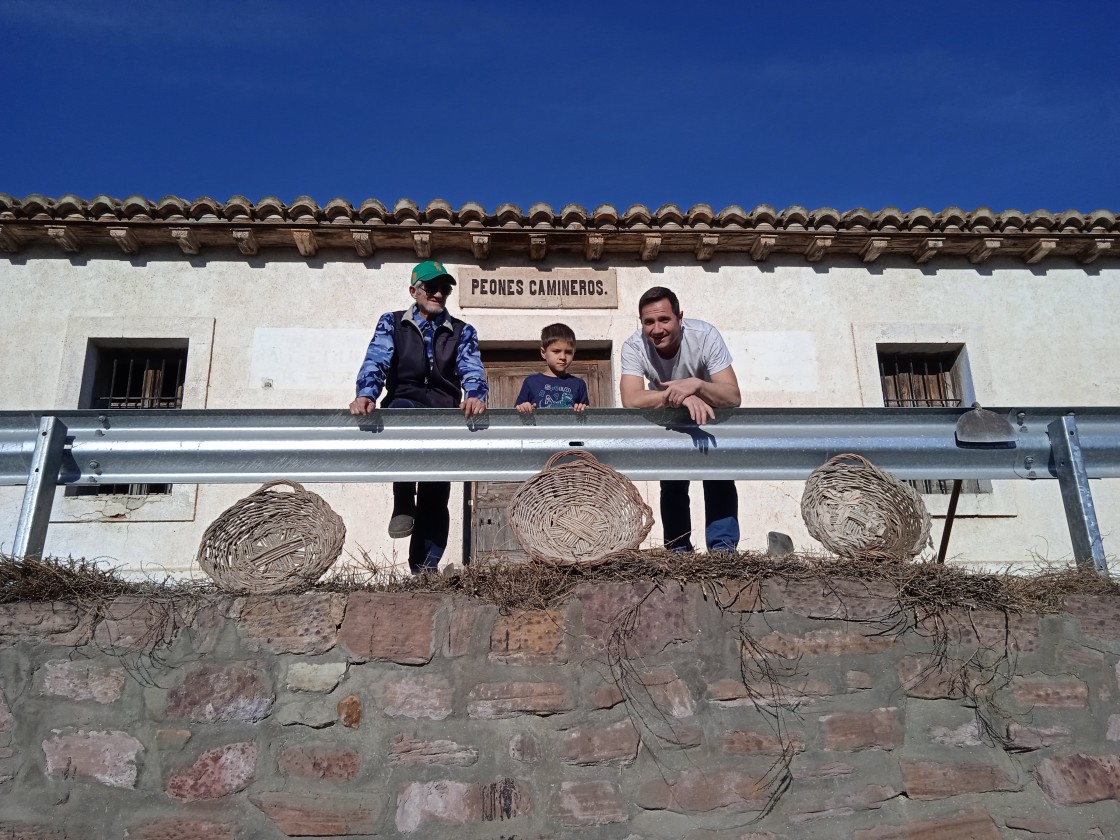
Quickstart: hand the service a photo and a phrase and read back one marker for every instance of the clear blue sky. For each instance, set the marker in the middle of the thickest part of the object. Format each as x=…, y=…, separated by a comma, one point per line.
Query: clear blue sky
x=999, y=104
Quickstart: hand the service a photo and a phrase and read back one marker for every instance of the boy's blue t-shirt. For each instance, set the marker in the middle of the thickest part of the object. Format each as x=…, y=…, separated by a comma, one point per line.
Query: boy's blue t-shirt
x=546, y=391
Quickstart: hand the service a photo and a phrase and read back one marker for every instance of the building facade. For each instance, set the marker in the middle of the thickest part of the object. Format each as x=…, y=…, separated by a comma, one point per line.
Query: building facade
x=236, y=305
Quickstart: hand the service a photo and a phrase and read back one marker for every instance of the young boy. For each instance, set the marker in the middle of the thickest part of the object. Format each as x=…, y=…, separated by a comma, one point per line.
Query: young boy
x=555, y=388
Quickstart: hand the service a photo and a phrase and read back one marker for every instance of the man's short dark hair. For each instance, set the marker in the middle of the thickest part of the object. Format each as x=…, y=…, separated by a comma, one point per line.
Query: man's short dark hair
x=557, y=332
x=659, y=293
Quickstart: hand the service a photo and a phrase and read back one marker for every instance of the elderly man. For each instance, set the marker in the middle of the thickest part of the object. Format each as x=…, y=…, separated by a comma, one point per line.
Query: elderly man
x=686, y=363
x=424, y=358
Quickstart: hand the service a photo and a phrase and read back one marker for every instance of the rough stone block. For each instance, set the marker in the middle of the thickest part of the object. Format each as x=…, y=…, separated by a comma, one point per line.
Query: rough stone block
x=745, y=742
x=668, y=692
x=928, y=679
x=322, y=678
x=470, y=620
x=1042, y=690
x=704, y=790
x=597, y=802
x=1097, y=615
x=318, y=713
x=215, y=773
x=601, y=694
x=851, y=600
x=991, y=629
x=1113, y=733
x=530, y=637
x=7, y=721
x=31, y=619
x=349, y=710
x=972, y=824
x=829, y=770
x=801, y=691
x=879, y=729
x=319, y=815
x=1075, y=656
x=180, y=829
x=172, y=739
x=965, y=735
x=209, y=693
x=82, y=680
x=390, y=627
x=938, y=780
x=672, y=735
x=524, y=747
x=458, y=803
x=823, y=643
x=1079, y=778
x=615, y=744
x=508, y=699
x=306, y=623
x=30, y=831
x=133, y=623
x=418, y=697
x=660, y=617
x=405, y=751
x=319, y=761
x=1036, y=825
x=868, y=798
x=1020, y=737
x=740, y=596
x=858, y=681
x=106, y=757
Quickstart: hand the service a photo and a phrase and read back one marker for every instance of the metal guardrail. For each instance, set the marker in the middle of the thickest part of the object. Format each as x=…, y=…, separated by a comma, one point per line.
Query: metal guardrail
x=43, y=449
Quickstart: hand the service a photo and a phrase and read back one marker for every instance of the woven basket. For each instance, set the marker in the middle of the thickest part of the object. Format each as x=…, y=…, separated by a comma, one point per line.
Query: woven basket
x=272, y=542
x=857, y=510
x=580, y=513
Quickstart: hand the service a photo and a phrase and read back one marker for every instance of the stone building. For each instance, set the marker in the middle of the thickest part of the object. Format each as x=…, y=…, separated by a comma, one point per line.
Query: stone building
x=236, y=305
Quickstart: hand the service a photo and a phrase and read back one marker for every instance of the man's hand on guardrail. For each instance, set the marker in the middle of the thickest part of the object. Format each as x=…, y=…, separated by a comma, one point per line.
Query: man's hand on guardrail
x=362, y=405
x=701, y=412
x=472, y=406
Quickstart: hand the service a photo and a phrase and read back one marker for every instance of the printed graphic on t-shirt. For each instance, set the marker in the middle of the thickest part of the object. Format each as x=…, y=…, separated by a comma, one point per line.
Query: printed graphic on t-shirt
x=553, y=391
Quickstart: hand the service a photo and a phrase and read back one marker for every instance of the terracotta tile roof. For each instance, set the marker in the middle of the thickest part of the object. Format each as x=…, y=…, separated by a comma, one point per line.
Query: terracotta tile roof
x=135, y=222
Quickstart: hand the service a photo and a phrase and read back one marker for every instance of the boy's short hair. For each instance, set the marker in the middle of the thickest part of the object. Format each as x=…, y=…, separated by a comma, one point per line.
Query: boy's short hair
x=659, y=293
x=557, y=332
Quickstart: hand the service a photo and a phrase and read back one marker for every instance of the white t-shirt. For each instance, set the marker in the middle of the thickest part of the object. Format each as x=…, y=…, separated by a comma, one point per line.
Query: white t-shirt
x=702, y=353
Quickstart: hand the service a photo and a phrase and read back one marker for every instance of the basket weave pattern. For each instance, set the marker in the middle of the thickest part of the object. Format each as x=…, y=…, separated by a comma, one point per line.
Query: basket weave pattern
x=857, y=510
x=270, y=542
x=580, y=513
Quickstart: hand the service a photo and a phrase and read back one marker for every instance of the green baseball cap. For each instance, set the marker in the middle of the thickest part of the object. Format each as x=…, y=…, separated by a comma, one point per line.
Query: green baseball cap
x=430, y=270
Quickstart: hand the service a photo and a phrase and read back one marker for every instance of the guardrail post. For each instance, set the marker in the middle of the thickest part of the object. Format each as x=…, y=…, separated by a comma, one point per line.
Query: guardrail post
x=38, y=497
x=1084, y=531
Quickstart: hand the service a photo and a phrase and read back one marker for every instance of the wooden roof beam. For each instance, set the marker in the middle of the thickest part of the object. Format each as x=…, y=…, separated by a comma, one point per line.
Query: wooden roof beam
x=186, y=240
x=1094, y=249
x=422, y=244
x=246, y=241
x=305, y=241
x=761, y=247
x=538, y=246
x=363, y=242
x=65, y=238
x=10, y=241
x=817, y=248
x=983, y=250
x=593, y=247
x=875, y=248
x=1039, y=250
x=480, y=245
x=126, y=239
x=651, y=246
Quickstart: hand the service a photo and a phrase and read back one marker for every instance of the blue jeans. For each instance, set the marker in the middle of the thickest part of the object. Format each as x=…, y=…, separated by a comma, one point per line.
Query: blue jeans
x=426, y=502
x=721, y=515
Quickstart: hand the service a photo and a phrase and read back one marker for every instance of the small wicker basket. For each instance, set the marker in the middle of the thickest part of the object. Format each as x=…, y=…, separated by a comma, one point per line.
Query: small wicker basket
x=269, y=542
x=857, y=510
x=581, y=513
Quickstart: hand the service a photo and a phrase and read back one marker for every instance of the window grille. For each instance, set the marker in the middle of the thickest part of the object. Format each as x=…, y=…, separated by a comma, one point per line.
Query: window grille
x=925, y=378
x=134, y=376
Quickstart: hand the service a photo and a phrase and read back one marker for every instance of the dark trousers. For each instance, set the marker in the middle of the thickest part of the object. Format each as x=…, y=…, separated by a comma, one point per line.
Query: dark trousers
x=426, y=502
x=721, y=515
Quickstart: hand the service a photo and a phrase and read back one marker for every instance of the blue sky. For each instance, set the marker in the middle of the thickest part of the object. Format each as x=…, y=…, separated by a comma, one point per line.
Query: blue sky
x=999, y=104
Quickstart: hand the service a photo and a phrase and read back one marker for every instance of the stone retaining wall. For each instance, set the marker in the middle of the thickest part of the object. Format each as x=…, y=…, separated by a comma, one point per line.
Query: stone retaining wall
x=630, y=711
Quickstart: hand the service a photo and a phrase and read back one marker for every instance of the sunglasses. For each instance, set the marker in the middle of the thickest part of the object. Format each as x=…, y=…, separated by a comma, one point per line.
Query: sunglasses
x=430, y=289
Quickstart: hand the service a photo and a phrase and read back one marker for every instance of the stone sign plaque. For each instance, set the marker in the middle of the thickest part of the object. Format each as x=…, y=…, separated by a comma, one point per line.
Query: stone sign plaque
x=531, y=288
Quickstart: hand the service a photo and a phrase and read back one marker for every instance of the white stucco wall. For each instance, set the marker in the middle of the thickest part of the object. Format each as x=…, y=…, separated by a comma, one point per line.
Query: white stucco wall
x=279, y=331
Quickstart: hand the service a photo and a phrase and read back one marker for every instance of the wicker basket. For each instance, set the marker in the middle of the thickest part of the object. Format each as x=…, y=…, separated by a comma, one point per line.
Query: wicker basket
x=580, y=513
x=857, y=510
x=272, y=542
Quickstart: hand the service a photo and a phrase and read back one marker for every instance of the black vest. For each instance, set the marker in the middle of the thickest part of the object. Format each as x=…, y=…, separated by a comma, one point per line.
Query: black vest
x=409, y=376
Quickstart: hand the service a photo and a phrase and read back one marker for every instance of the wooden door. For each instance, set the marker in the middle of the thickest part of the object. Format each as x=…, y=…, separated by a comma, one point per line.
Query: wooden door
x=489, y=500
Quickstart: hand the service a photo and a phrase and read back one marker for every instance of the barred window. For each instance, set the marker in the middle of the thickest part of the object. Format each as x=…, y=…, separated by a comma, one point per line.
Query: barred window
x=927, y=376
x=130, y=374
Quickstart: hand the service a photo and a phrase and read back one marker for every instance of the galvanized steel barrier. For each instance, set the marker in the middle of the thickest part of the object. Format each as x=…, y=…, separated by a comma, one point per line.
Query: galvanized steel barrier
x=44, y=449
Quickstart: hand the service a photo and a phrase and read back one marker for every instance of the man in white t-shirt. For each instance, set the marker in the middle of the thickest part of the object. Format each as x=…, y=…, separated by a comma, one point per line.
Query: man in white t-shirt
x=686, y=363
